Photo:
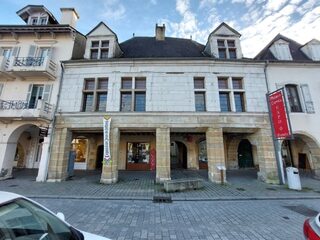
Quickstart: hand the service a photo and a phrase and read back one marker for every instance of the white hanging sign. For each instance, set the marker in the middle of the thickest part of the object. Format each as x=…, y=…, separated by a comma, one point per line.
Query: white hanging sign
x=106, y=140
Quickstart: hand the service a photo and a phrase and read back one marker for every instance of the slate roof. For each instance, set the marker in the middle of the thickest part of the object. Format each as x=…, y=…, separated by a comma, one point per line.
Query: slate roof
x=295, y=50
x=149, y=47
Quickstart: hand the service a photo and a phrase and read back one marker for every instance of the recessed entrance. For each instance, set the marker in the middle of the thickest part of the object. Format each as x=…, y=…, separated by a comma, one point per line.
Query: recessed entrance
x=245, y=158
x=178, y=155
x=99, y=157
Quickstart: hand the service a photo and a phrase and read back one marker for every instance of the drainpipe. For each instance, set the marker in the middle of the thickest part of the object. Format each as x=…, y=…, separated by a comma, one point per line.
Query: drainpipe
x=39, y=179
x=265, y=75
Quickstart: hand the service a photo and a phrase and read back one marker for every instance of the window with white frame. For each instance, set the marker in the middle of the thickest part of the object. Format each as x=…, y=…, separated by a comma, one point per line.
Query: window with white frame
x=227, y=49
x=99, y=49
x=293, y=98
x=298, y=96
x=199, y=94
x=133, y=94
x=38, y=20
x=95, y=93
x=231, y=94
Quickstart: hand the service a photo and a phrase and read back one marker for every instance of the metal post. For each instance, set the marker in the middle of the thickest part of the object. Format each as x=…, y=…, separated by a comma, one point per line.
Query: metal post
x=276, y=144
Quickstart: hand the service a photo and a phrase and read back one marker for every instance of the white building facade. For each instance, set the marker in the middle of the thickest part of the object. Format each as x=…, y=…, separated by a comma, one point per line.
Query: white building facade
x=296, y=68
x=30, y=74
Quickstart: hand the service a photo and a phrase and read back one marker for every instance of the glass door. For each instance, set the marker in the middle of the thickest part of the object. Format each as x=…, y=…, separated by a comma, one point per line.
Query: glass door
x=36, y=94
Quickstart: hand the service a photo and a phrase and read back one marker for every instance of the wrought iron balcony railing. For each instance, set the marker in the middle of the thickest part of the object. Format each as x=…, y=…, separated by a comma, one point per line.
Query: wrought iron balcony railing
x=28, y=61
x=13, y=104
x=22, y=108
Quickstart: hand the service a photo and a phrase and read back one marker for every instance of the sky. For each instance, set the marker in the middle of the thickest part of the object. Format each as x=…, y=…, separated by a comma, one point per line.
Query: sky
x=259, y=21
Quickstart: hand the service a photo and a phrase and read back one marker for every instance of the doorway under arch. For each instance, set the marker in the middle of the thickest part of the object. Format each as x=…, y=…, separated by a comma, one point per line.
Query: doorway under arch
x=178, y=155
x=245, y=157
x=23, y=151
x=99, y=157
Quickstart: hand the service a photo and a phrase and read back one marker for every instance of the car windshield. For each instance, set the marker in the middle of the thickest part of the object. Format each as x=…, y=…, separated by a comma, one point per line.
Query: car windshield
x=23, y=220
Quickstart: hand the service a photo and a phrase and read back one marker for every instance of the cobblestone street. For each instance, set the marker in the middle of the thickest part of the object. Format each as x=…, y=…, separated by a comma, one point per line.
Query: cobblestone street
x=125, y=219
x=243, y=208
x=140, y=185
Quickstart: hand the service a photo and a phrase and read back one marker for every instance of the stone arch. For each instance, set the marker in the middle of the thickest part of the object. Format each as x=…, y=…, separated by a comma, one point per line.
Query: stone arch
x=9, y=150
x=189, y=146
x=245, y=154
x=311, y=149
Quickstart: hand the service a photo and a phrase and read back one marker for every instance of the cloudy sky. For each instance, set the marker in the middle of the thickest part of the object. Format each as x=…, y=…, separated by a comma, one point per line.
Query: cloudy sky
x=257, y=20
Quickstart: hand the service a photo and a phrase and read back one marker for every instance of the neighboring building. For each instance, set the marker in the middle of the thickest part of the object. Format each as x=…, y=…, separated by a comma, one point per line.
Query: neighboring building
x=296, y=67
x=173, y=102
x=30, y=73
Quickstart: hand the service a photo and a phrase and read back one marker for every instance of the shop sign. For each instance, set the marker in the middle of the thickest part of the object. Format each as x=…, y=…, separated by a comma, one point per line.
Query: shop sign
x=279, y=115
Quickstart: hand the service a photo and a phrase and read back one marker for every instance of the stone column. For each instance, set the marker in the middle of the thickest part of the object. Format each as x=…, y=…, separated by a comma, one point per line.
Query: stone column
x=61, y=147
x=110, y=171
x=44, y=160
x=215, y=153
x=162, y=155
x=7, y=154
x=266, y=156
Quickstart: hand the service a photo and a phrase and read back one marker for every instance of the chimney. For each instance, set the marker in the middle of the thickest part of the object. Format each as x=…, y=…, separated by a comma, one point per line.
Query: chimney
x=160, y=32
x=69, y=16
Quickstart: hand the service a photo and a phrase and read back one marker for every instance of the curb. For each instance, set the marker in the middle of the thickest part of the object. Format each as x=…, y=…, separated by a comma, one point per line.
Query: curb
x=175, y=199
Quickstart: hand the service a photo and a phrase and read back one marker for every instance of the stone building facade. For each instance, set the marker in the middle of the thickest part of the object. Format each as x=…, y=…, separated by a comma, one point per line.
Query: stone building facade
x=174, y=103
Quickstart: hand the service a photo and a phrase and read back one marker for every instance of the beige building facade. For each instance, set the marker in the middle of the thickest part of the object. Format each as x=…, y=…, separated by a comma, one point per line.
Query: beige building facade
x=30, y=74
x=173, y=103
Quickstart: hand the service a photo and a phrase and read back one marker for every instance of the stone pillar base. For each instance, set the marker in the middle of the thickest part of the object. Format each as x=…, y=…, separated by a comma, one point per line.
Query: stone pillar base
x=108, y=180
x=270, y=177
x=108, y=176
x=162, y=180
x=316, y=174
x=215, y=176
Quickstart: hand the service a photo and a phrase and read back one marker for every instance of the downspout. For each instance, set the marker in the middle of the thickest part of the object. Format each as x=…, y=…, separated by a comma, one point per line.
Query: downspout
x=265, y=75
x=53, y=123
x=276, y=142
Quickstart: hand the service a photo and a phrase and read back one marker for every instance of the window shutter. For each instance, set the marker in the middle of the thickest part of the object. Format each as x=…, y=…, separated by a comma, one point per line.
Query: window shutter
x=307, y=98
x=32, y=51
x=47, y=92
x=29, y=92
x=1, y=87
x=50, y=52
x=15, y=51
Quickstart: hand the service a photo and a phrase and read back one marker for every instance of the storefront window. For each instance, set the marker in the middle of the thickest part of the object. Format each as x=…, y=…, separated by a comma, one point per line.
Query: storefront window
x=138, y=153
x=203, y=152
x=80, y=148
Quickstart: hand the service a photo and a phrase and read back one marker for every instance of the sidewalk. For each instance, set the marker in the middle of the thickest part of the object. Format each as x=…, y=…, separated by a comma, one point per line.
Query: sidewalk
x=242, y=185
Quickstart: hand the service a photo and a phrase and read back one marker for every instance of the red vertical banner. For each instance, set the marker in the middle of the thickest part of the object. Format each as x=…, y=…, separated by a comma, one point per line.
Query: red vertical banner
x=279, y=115
x=152, y=159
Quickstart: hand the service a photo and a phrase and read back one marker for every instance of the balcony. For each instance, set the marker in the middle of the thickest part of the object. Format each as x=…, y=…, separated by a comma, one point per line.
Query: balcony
x=31, y=67
x=19, y=110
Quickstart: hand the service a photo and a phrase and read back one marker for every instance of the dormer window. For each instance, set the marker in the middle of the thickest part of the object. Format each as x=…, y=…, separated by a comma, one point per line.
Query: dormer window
x=99, y=49
x=43, y=21
x=227, y=49
x=39, y=20
x=34, y=21
x=280, y=49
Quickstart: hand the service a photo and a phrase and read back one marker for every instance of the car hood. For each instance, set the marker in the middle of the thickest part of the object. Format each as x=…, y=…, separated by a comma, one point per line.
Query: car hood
x=90, y=236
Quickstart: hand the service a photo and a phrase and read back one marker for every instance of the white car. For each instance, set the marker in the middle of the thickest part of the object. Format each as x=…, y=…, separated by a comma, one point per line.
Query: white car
x=24, y=219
